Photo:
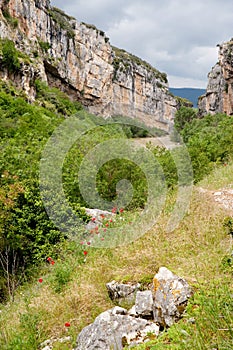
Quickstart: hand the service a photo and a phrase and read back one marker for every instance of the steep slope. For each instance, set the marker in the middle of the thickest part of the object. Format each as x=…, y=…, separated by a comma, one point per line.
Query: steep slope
x=219, y=92
x=79, y=59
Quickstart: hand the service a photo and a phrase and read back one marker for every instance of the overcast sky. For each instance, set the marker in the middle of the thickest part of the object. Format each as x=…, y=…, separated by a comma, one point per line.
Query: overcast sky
x=178, y=37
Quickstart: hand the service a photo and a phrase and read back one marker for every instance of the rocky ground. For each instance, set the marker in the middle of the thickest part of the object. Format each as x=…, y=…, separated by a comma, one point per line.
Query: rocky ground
x=223, y=197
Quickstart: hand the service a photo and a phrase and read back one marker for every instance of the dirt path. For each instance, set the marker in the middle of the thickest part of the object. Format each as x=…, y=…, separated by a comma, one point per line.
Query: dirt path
x=223, y=197
x=162, y=141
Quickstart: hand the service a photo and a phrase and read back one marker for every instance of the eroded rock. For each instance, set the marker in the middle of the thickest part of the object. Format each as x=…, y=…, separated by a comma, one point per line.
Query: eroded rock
x=112, y=330
x=122, y=291
x=170, y=297
x=144, y=304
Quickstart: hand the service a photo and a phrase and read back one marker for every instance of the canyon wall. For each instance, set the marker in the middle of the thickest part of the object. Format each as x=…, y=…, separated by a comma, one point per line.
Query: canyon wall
x=219, y=92
x=78, y=59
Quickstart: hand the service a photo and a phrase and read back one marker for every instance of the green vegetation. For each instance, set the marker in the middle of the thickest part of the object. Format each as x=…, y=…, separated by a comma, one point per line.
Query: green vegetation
x=11, y=20
x=38, y=296
x=45, y=46
x=209, y=139
x=10, y=56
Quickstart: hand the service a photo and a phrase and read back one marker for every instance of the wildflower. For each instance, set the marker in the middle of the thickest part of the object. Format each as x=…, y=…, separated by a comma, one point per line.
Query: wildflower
x=114, y=210
x=105, y=229
x=121, y=210
x=85, y=252
x=102, y=216
x=110, y=220
x=52, y=262
x=102, y=239
x=88, y=243
x=93, y=219
x=81, y=243
x=49, y=259
x=67, y=324
x=40, y=280
x=107, y=225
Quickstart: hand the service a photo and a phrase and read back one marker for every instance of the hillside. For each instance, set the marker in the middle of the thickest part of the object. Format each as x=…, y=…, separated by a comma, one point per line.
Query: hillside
x=91, y=191
x=52, y=280
x=78, y=59
x=190, y=94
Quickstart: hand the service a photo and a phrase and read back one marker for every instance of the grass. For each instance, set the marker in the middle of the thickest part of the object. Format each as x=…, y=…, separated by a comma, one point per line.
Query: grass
x=220, y=177
x=73, y=290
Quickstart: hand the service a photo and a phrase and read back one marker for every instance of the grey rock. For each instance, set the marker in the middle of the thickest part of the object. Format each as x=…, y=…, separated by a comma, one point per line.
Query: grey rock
x=122, y=291
x=139, y=337
x=132, y=311
x=170, y=294
x=110, y=329
x=219, y=92
x=144, y=304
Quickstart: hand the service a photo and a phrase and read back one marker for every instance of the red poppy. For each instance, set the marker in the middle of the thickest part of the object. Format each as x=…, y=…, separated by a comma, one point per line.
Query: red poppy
x=102, y=216
x=93, y=219
x=110, y=220
x=49, y=259
x=85, y=252
x=67, y=324
x=114, y=210
x=40, y=280
x=107, y=225
x=52, y=262
x=121, y=210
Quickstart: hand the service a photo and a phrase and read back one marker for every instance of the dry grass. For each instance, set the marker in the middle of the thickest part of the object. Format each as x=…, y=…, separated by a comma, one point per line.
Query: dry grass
x=194, y=251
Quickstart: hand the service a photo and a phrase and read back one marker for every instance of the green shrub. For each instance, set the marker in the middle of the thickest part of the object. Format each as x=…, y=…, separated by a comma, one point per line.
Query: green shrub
x=45, y=46
x=10, y=56
x=11, y=20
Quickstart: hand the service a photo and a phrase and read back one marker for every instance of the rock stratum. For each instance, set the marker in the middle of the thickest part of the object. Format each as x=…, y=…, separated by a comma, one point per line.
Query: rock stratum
x=79, y=59
x=219, y=92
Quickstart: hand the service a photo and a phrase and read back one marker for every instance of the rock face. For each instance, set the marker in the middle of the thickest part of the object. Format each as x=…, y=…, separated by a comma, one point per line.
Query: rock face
x=170, y=294
x=78, y=59
x=219, y=92
x=153, y=309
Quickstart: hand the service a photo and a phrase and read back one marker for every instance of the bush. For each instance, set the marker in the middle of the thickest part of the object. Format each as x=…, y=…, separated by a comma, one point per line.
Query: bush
x=10, y=56
x=183, y=116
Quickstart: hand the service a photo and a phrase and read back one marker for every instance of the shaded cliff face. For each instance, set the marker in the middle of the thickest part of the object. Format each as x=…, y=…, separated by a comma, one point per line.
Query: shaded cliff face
x=219, y=92
x=78, y=59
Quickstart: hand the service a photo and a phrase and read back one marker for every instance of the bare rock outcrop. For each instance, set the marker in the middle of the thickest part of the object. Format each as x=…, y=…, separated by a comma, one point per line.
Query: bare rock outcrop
x=78, y=59
x=219, y=92
x=154, y=309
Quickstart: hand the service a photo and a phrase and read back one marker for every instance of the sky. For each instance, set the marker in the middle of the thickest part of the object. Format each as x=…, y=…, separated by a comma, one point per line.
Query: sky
x=178, y=37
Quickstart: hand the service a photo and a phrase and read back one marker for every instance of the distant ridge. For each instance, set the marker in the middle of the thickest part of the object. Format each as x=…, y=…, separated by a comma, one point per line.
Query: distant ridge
x=191, y=94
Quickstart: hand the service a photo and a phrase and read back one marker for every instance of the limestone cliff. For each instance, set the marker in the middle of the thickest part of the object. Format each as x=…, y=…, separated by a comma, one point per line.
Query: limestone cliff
x=78, y=59
x=219, y=92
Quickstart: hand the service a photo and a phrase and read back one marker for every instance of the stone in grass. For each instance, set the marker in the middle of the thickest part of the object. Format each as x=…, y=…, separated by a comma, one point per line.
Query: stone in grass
x=144, y=304
x=122, y=291
x=114, y=329
x=170, y=297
